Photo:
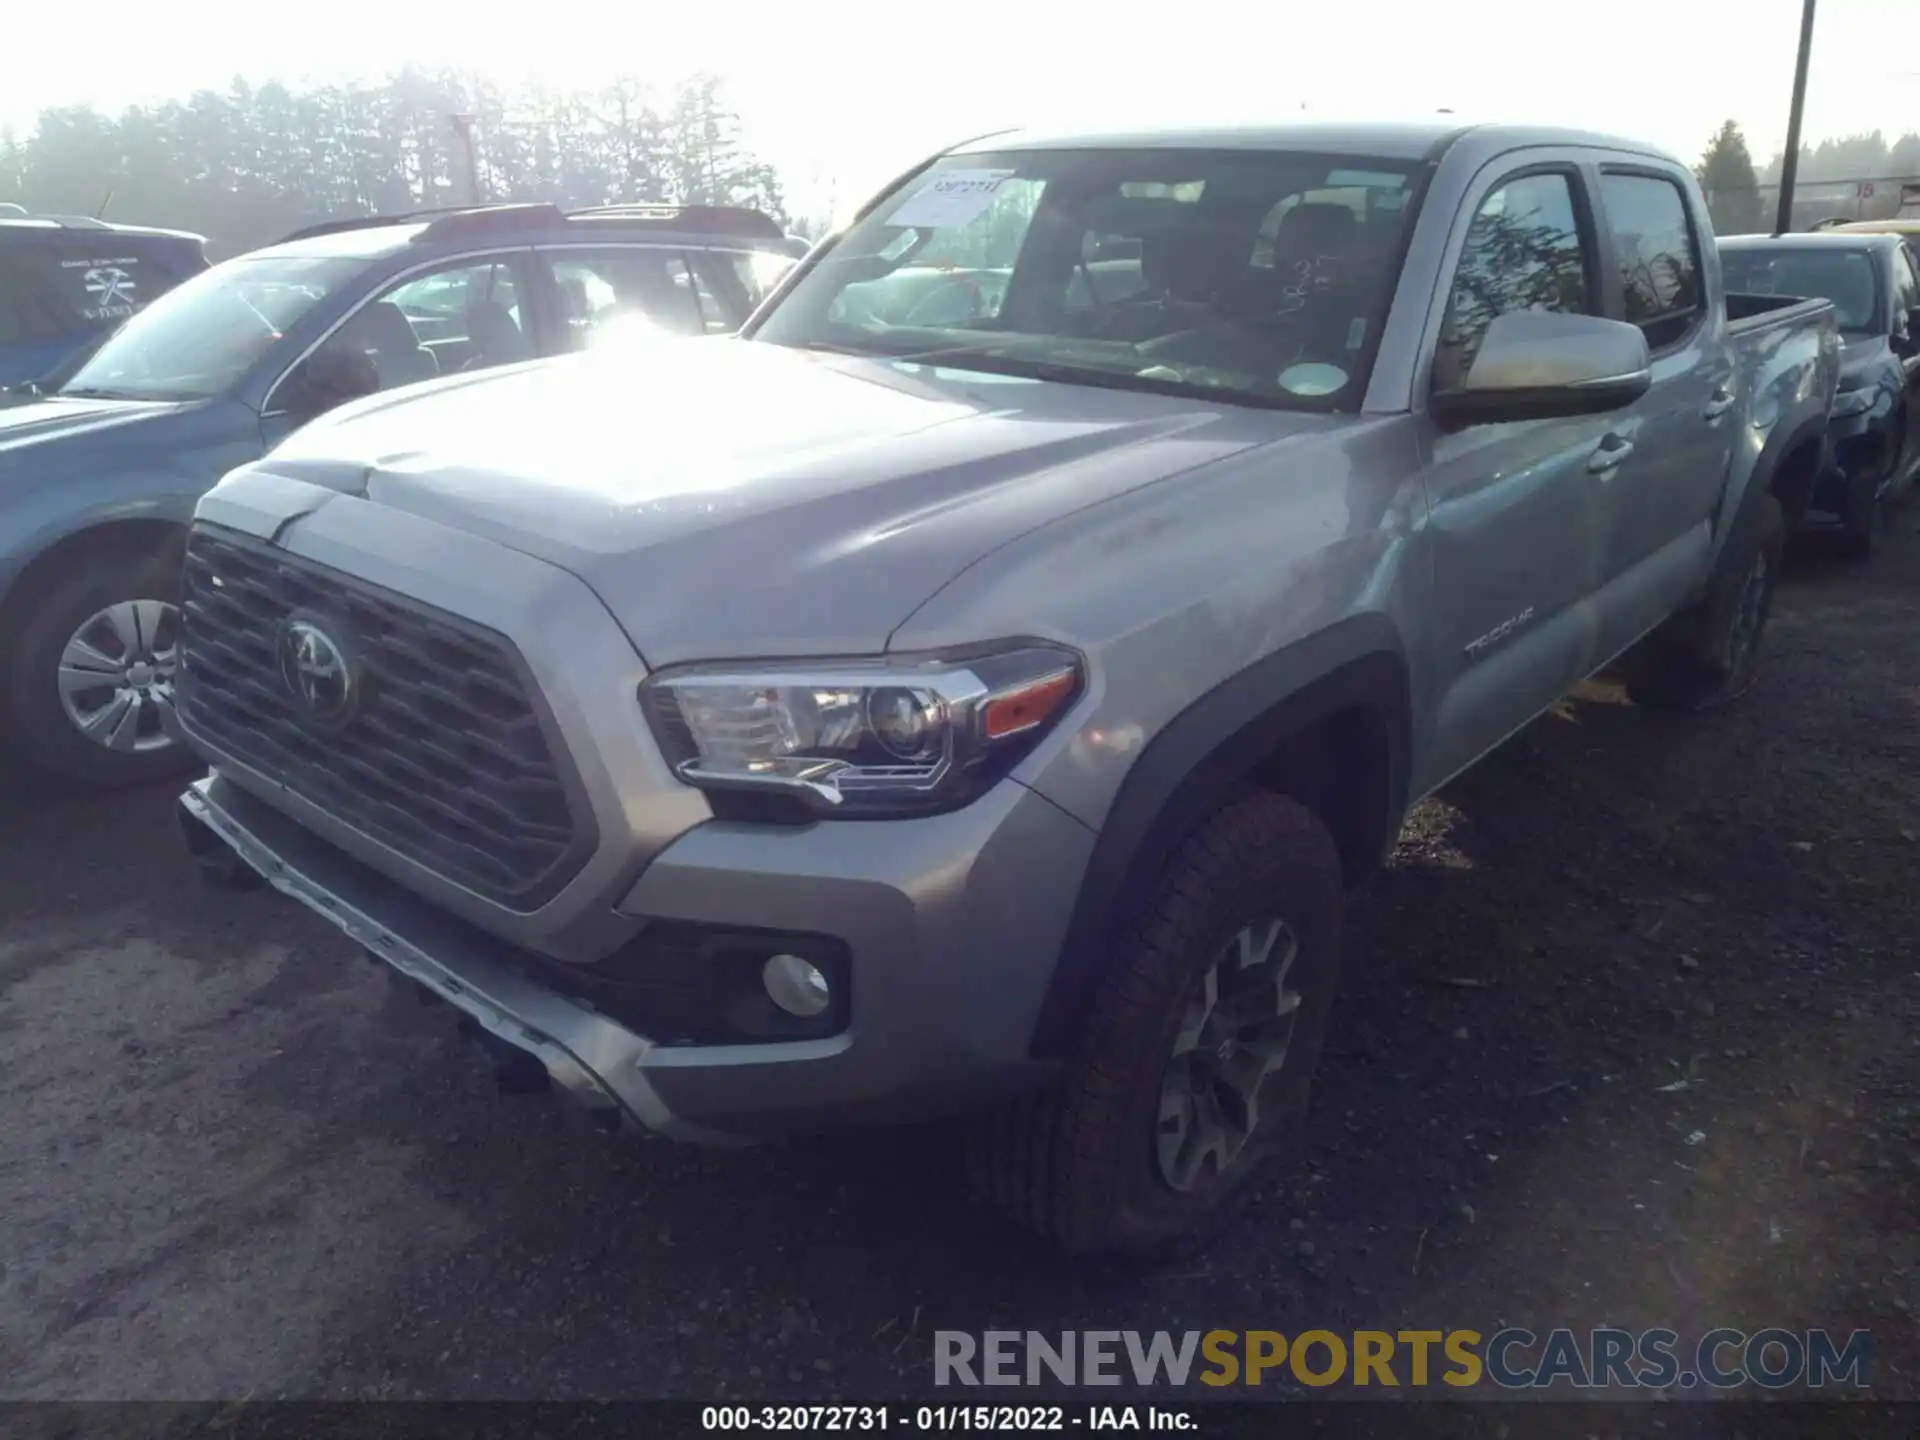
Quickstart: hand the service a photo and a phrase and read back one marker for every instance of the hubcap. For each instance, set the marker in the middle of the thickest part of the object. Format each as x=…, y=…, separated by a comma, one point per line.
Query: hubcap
x=1234, y=1035
x=1752, y=615
x=116, y=676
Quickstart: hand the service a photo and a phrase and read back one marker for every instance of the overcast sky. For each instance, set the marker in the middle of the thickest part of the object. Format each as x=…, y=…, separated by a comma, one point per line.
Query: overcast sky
x=840, y=97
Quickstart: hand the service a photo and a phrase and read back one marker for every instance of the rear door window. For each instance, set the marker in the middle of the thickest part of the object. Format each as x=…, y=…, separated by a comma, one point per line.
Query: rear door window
x=623, y=288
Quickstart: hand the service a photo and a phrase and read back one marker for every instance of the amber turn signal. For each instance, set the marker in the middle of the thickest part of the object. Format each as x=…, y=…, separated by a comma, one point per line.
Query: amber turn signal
x=1026, y=707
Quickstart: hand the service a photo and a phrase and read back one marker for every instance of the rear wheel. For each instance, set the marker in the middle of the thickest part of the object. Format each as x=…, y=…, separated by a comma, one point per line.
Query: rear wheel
x=1199, y=1050
x=89, y=686
x=1706, y=656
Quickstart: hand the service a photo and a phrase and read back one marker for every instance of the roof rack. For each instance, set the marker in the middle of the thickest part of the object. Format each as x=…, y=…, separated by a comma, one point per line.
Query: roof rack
x=740, y=220
x=452, y=221
x=369, y=222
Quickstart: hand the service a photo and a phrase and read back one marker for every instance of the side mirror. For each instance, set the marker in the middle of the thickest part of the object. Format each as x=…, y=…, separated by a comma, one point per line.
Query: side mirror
x=331, y=376
x=1539, y=365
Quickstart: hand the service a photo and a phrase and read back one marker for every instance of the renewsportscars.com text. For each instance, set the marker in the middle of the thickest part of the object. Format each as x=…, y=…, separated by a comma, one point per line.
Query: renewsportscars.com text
x=1511, y=1358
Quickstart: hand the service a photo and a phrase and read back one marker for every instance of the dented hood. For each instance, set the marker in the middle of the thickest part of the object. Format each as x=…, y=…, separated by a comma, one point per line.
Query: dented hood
x=732, y=498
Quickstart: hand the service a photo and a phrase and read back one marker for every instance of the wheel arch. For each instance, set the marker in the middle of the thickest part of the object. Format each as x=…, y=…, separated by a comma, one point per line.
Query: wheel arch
x=132, y=535
x=1339, y=741
x=1788, y=468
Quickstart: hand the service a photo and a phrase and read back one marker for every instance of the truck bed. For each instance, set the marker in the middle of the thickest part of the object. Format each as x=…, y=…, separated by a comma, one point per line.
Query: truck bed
x=1747, y=312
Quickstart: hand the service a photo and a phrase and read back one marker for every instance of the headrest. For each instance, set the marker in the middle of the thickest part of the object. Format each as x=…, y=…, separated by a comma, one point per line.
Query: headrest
x=383, y=326
x=1193, y=263
x=1320, y=227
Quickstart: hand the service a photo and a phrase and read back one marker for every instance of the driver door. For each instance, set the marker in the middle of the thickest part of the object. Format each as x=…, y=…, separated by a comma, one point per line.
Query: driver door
x=1517, y=515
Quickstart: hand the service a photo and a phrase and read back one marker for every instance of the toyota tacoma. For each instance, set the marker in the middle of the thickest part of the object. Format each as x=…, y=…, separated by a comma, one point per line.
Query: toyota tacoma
x=974, y=688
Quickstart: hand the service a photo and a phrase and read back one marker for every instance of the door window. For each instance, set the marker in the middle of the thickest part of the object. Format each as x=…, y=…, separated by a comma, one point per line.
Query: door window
x=1659, y=255
x=1906, y=289
x=620, y=290
x=465, y=317
x=1524, y=251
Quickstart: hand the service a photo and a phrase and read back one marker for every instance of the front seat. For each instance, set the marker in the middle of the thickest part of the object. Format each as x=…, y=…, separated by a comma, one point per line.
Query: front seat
x=495, y=337
x=383, y=331
x=1317, y=235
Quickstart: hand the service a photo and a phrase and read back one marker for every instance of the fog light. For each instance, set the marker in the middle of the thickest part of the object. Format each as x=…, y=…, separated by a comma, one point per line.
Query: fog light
x=795, y=986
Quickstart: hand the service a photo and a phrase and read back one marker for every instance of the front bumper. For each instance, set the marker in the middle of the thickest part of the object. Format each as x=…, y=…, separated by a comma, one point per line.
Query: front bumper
x=952, y=922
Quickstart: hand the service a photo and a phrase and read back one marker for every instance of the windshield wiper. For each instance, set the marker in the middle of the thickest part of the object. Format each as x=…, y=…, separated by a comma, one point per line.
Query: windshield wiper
x=101, y=392
x=963, y=357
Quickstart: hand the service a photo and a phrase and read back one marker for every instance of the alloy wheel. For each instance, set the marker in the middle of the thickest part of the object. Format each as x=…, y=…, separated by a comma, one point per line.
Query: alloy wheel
x=1234, y=1035
x=116, y=676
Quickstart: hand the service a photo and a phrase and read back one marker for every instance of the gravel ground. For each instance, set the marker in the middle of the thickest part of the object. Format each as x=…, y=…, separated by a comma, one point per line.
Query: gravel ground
x=236, y=1162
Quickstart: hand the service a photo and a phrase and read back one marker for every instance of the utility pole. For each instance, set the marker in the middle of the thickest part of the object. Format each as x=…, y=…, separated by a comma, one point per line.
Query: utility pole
x=463, y=127
x=1790, y=165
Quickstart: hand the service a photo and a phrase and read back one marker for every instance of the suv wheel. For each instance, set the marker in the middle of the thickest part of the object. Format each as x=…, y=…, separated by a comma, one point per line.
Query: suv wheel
x=89, y=688
x=1706, y=656
x=1199, y=1049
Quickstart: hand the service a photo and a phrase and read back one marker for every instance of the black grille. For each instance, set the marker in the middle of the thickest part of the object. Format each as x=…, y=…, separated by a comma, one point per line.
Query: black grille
x=446, y=759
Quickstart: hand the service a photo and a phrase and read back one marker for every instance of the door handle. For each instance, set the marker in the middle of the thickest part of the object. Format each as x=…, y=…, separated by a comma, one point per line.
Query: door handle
x=1719, y=405
x=1607, y=455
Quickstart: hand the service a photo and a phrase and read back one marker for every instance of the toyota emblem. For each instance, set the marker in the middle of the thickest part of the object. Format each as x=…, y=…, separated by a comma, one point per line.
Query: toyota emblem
x=318, y=672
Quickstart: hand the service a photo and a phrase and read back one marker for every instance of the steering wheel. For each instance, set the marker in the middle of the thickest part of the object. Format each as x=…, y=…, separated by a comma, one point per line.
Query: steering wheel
x=975, y=299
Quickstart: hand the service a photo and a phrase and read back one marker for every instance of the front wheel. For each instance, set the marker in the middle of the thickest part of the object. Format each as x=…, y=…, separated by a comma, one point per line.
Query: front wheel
x=1706, y=656
x=1199, y=1049
x=89, y=686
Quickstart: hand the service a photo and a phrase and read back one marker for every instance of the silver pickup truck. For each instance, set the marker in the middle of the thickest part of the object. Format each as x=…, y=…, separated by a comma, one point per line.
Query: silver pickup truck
x=985, y=711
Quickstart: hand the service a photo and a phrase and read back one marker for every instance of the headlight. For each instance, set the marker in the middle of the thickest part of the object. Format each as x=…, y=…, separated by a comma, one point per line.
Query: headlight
x=900, y=734
x=1849, y=403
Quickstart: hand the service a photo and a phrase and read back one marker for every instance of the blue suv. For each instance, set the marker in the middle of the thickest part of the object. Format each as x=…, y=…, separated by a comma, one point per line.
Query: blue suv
x=66, y=280
x=99, y=476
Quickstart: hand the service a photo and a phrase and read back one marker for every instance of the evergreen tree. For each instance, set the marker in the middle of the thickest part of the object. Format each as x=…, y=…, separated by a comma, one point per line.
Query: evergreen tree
x=1733, y=190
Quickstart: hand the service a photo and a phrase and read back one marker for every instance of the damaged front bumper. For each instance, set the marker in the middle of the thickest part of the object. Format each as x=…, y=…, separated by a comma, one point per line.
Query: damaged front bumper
x=593, y=1061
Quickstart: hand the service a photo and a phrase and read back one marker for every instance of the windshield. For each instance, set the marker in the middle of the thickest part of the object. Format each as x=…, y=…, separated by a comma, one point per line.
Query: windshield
x=1846, y=277
x=198, y=340
x=1250, y=276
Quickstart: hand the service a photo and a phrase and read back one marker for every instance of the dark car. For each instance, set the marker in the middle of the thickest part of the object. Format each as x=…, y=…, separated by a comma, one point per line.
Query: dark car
x=99, y=477
x=65, y=281
x=1874, y=285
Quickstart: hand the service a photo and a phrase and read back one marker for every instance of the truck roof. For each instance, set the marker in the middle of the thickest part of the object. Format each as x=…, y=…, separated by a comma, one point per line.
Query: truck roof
x=1416, y=139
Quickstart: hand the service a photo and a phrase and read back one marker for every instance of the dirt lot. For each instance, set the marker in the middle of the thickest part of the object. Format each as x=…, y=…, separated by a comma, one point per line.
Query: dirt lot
x=234, y=1162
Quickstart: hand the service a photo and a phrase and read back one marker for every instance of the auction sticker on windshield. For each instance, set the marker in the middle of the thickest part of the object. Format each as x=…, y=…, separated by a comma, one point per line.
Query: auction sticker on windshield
x=951, y=198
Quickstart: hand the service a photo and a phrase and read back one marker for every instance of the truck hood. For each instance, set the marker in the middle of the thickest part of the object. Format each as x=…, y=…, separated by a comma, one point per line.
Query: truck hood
x=733, y=498
x=56, y=417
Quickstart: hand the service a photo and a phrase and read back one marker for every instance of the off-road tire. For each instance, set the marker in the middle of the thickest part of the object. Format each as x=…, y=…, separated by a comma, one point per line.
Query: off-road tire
x=1692, y=662
x=36, y=727
x=1076, y=1160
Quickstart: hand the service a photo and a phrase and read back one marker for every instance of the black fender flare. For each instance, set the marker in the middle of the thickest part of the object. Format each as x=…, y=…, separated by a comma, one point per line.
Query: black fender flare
x=1784, y=441
x=1197, y=761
